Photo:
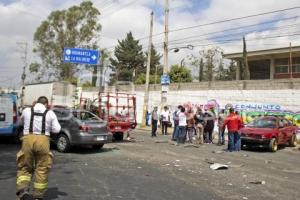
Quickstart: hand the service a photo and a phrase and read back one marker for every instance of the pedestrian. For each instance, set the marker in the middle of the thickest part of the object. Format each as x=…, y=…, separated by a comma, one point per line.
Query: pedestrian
x=233, y=123
x=176, y=121
x=181, y=126
x=35, y=156
x=154, y=120
x=165, y=120
x=147, y=117
x=190, y=125
x=221, y=118
x=199, y=123
x=241, y=125
x=209, y=126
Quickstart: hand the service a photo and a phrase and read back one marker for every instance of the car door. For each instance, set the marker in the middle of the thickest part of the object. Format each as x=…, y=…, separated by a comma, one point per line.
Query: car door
x=281, y=132
x=289, y=131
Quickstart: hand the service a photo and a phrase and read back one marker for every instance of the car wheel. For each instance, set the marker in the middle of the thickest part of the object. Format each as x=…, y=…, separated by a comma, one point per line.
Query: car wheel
x=118, y=136
x=63, y=143
x=293, y=141
x=98, y=146
x=273, y=146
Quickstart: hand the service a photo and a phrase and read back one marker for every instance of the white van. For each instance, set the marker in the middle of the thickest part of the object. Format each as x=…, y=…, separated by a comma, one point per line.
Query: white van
x=8, y=115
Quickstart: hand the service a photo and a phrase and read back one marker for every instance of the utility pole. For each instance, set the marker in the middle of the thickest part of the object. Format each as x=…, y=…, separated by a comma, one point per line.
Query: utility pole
x=146, y=96
x=291, y=62
x=164, y=89
x=24, y=48
x=101, y=78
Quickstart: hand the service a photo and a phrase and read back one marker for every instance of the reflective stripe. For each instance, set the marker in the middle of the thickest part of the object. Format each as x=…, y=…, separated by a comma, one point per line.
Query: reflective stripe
x=40, y=186
x=23, y=178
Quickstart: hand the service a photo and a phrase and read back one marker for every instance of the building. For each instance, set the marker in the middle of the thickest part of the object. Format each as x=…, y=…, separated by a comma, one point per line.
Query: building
x=270, y=63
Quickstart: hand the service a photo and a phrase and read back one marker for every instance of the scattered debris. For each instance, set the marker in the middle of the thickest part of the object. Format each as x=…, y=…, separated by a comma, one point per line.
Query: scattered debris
x=268, y=161
x=190, y=145
x=176, y=165
x=177, y=160
x=258, y=182
x=237, y=166
x=161, y=141
x=218, y=152
x=139, y=167
x=229, y=184
x=245, y=198
x=245, y=155
x=218, y=166
x=167, y=164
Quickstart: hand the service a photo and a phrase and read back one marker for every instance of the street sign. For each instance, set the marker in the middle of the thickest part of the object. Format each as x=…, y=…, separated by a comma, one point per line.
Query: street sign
x=81, y=56
x=165, y=79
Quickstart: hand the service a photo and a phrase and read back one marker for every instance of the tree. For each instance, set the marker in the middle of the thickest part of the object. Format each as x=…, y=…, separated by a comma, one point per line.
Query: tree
x=129, y=59
x=155, y=66
x=201, y=69
x=226, y=74
x=180, y=74
x=77, y=26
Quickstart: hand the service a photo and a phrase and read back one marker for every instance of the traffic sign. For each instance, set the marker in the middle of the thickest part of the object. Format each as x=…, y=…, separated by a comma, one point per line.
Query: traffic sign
x=81, y=56
x=165, y=79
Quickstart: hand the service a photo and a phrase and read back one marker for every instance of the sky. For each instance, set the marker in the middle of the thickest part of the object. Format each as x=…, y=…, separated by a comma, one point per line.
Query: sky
x=20, y=18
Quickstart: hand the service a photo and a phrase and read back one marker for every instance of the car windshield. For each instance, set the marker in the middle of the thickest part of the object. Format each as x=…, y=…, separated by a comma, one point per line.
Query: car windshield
x=85, y=116
x=263, y=123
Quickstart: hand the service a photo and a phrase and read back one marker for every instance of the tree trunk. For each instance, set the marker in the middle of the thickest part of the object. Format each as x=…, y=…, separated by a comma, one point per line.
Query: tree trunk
x=94, y=75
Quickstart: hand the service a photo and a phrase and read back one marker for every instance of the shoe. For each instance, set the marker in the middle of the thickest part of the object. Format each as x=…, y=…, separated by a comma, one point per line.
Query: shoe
x=26, y=196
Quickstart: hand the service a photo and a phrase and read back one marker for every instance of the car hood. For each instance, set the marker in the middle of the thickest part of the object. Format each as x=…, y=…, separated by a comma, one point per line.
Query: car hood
x=257, y=131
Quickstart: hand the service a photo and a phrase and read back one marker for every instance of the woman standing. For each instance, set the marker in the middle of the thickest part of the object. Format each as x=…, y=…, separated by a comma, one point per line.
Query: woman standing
x=181, y=126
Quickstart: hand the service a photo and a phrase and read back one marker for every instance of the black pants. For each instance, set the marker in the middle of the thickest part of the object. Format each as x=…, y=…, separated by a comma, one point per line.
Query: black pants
x=154, y=127
x=164, y=128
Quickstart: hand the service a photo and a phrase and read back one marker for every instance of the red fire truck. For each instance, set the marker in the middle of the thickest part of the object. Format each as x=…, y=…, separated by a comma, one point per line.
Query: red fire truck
x=119, y=110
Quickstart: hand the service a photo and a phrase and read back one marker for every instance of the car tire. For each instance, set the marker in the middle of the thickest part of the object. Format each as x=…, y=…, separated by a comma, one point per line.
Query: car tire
x=293, y=141
x=98, y=146
x=118, y=136
x=63, y=143
x=273, y=145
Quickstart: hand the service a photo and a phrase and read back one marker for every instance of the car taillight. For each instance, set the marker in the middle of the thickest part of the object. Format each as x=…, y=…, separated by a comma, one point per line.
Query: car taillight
x=84, y=128
x=15, y=116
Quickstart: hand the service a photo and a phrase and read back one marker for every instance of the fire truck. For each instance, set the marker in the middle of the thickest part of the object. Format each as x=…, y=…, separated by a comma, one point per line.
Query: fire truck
x=119, y=110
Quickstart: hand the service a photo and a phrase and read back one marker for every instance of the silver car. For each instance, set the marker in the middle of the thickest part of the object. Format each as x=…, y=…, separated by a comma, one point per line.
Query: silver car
x=80, y=128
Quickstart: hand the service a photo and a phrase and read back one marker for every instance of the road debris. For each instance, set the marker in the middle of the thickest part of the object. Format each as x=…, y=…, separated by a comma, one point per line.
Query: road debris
x=191, y=145
x=245, y=198
x=161, y=141
x=218, y=166
x=218, y=152
x=258, y=182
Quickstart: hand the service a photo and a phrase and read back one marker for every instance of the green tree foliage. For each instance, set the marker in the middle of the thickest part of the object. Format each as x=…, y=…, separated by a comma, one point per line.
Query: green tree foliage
x=77, y=26
x=129, y=59
x=141, y=79
x=155, y=66
x=180, y=74
x=226, y=74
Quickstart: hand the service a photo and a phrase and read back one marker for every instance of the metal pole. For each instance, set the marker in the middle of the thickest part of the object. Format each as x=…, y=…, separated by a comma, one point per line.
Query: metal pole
x=25, y=46
x=146, y=96
x=165, y=68
x=101, y=87
x=291, y=62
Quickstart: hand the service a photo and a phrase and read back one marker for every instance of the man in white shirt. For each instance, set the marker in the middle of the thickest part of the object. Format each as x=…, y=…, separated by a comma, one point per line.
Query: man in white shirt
x=35, y=156
x=165, y=119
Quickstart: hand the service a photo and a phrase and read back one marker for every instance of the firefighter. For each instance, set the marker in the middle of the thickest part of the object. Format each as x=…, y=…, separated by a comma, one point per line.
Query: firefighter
x=35, y=157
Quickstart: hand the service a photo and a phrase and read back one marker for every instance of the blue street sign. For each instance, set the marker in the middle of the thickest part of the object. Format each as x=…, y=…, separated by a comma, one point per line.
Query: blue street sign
x=165, y=80
x=81, y=56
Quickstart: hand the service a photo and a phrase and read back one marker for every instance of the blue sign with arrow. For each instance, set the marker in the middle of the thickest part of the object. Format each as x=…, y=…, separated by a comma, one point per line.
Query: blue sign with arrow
x=165, y=79
x=81, y=56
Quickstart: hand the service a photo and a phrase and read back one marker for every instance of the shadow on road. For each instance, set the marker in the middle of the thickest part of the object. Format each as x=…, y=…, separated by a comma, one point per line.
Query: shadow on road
x=86, y=150
x=54, y=193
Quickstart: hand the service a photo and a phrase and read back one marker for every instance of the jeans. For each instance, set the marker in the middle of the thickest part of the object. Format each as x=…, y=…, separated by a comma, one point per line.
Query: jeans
x=164, y=128
x=181, y=134
x=221, y=136
x=233, y=142
x=154, y=128
x=175, y=132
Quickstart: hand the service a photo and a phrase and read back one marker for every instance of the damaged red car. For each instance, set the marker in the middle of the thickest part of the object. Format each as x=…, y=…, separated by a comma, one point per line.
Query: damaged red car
x=269, y=131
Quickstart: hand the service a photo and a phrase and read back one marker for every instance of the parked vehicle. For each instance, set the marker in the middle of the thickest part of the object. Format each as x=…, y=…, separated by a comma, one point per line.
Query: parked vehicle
x=269, y=131
x=58, y=93
x=8, y=115
x=119, y=110
x=80, y=128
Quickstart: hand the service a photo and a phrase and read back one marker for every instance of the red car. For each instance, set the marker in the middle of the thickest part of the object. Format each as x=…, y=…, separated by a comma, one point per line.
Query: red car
x=269, y=131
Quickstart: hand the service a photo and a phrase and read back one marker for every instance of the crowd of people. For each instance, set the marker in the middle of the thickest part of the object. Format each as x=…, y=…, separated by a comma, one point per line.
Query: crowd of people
x=197, y=126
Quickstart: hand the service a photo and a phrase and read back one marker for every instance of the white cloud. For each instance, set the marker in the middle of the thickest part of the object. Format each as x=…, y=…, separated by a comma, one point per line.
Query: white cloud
x=19, y=20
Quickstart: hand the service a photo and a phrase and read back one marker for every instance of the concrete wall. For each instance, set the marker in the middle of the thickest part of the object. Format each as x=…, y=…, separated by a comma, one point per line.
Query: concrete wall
x=283, y=94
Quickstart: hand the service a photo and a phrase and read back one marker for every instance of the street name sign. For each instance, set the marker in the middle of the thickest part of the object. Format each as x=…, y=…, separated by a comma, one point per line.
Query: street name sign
x=165, y=80
x=81, y=56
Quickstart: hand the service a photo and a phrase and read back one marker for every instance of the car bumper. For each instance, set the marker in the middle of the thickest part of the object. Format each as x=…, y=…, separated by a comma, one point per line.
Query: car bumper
x=254, y=141
x=92, y=139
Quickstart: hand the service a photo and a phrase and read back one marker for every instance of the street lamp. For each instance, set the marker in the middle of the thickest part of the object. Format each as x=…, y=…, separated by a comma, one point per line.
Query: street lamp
x=177, y=49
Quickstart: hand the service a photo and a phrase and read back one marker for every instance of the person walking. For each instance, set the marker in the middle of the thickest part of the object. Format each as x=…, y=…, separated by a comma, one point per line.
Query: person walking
x=199, y=123
x=181, y=126
x=190, y=125
x=165, y=119
x=35, y=156
x=241, y=125
x=209, y=119
x=233, y=123
x=154, y=120
x=221, y=118
x=176, y=121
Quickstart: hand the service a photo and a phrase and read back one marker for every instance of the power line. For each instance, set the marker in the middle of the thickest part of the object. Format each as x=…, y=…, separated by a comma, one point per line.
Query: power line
x=120, y=8
x=223, y=21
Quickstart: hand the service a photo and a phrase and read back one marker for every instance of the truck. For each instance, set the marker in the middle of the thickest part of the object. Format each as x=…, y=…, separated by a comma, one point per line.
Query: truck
x=9, y=125
x=58, y=93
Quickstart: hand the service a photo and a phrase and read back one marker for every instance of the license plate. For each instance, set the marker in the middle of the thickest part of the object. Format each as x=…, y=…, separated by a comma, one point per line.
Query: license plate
x=100, y=138
x=118, y=127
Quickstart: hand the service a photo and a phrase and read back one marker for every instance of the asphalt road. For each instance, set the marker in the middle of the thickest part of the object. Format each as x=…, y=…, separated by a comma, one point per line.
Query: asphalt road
x=157, y=169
